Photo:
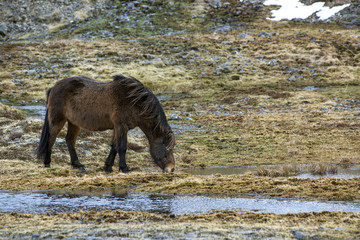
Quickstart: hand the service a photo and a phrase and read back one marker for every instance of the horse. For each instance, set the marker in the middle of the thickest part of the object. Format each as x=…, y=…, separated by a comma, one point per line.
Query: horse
x=121, y=105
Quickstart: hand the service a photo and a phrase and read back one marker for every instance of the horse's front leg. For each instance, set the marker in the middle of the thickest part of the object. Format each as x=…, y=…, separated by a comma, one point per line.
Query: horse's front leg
x=121, y=147
x=109, y=163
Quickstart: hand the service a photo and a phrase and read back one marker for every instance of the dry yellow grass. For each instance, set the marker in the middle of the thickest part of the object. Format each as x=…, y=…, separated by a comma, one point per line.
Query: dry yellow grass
x=219, y=225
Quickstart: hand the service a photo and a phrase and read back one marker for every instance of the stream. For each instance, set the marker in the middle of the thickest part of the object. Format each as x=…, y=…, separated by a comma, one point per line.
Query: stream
x=121, y=199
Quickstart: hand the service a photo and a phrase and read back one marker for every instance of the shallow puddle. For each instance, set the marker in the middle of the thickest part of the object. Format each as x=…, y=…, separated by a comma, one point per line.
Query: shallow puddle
x=34, y=111
x=350, y=172
x=120, y=199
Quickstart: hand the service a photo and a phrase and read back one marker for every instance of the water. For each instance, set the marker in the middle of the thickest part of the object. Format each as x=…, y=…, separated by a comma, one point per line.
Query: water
x=350, y=172
x=291, y=9
x=35, y=111
x=115, y=199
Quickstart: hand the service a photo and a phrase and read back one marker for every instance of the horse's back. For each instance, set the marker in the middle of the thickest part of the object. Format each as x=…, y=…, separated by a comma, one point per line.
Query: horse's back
x=83, y=102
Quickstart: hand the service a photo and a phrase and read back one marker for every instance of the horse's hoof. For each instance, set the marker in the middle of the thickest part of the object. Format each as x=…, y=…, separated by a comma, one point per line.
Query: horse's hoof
x=108, y=170
x=125, y=170
x=82, y=169
x=47, y=165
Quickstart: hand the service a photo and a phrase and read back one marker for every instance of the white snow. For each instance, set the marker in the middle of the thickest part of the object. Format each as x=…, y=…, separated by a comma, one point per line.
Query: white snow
x=294, y=9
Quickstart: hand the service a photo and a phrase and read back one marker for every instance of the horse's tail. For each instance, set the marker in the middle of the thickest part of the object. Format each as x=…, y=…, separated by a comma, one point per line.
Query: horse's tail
x=45, y=133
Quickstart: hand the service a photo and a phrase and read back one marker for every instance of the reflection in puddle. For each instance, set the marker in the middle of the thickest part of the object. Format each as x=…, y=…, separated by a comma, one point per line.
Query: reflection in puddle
x=68, y=201
x=291, y=9
x=350, y=172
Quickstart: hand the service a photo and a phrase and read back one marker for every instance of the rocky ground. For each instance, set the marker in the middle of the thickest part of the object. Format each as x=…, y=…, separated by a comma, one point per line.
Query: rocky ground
x=238, y=90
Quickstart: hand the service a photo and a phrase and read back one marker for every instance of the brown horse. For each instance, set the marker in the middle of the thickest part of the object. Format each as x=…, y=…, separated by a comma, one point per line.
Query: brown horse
x=121, y=105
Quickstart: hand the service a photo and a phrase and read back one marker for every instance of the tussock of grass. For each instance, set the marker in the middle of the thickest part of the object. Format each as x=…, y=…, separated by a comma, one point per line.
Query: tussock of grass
x=280, y=171
x=10, y=113
x=295, y=169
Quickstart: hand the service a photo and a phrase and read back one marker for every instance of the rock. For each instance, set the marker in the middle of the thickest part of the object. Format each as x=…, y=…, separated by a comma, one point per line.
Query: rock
x=106, y=33
x=35, y=236
x=3, y=30
x=221, y=28
x=31, y=71
x=292, y=70
x=225, y=68
x=264, y=34
x=300, y=235
x=323, y=228
x=87, y=153
x=294, y=78
x=174, y=116
x=273, y=62
x=243, y=35
x=215, y=3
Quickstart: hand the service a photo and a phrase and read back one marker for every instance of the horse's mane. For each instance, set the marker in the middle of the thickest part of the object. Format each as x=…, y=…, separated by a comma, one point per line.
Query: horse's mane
x=148, y=102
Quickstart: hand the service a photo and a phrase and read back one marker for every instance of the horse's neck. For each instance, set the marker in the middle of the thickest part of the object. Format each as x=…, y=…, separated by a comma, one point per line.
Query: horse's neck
x=153, y=129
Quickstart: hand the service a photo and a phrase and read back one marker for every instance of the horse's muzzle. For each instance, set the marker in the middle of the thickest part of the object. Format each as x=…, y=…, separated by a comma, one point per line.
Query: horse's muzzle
x=169, y=168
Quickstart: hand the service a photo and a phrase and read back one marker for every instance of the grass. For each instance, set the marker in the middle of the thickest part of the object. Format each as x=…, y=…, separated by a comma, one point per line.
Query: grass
x=295, y=169
x=220, y=225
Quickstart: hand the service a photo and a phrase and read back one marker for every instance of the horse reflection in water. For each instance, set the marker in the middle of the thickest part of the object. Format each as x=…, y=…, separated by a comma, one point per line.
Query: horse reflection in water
x=121, y=105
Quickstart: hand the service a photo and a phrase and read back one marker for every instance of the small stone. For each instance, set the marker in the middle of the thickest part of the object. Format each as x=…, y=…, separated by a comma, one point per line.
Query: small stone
x=264, y=34
x=243, y=35
x=323, y=228
x=340, y=229
x=292, y=78
x=215, y=3
x=87, y=153
x=35, y=236
x=324, y=109
x=31, y=72
x=174, y=116
x=3, y=29
x=225, y=68
x=273, y=62
x=300, y=235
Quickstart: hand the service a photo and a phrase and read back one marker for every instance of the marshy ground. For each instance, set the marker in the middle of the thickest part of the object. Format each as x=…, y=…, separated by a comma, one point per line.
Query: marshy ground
x=239, y=93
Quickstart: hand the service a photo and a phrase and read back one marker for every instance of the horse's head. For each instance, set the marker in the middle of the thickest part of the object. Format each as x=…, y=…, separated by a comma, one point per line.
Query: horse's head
x=161, y=150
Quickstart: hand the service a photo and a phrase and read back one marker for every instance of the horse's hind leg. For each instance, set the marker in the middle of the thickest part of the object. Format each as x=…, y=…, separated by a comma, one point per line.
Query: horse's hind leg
x=73, y=132
x=54, y=129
